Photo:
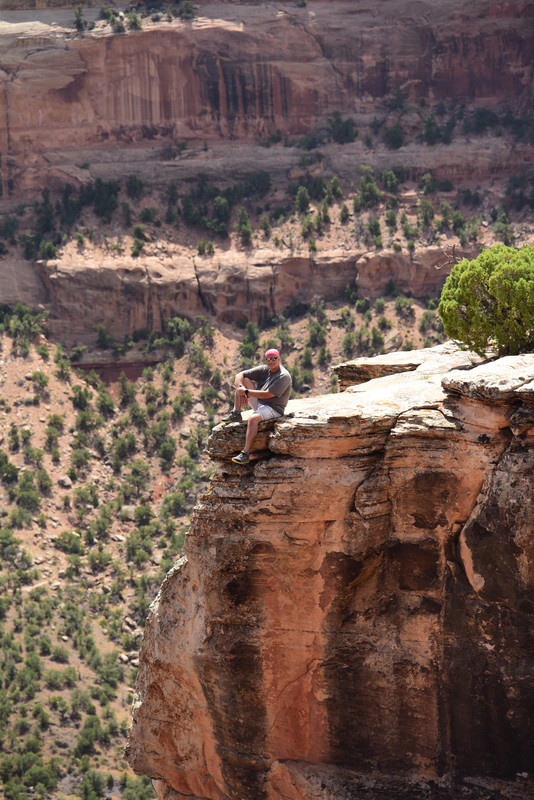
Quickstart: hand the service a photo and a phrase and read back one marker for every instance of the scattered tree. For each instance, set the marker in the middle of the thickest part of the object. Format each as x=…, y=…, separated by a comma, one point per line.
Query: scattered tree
x=79, y=23
x=394, y=136
x=488, y=303
x=302, y=199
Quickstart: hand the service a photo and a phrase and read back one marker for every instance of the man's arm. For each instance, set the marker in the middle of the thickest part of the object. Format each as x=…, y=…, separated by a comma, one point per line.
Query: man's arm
x=239, y=378
x=244, y=390
x=259, y=394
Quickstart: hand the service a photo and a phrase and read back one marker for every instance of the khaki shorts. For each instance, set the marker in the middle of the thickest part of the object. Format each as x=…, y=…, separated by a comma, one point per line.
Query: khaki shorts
x=265, y=412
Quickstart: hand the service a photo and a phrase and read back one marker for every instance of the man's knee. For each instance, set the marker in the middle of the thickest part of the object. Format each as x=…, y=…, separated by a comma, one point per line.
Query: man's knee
x=254, y=419
x=248, y=383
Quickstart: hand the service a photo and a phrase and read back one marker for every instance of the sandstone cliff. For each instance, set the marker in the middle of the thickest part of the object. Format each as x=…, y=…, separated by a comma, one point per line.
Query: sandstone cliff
x=243, y=71
x=102, y=105
x=127, y=294
x=354, y=614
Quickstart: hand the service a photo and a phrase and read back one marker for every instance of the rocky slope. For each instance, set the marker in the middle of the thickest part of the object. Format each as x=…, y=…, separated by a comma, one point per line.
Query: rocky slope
x=80, y=561
x=353, y=616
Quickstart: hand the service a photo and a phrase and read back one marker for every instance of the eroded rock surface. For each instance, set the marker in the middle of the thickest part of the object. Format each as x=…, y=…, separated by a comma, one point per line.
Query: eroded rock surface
x=127, y=294
x=75, y=108
x=355, y=612
x=428, y=360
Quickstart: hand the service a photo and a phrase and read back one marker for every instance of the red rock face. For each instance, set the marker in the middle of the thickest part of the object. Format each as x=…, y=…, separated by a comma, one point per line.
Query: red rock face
x=245, y=70
x=359, y=601
x=128, y=294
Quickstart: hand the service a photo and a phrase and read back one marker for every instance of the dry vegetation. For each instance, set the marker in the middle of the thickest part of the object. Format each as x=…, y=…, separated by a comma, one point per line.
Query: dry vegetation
x=384, y=210
x=97, y=482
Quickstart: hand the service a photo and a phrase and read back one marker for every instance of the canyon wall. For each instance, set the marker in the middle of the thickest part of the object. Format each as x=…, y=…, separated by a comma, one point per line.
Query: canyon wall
x=74, y=108
x=354, y=614
x=128, y=294
x=243, y=71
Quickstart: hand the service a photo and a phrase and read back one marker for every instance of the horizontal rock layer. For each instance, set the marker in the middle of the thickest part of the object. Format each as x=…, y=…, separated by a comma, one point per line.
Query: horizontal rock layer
x=355, y=611
x=75, y=108
x=362, y=370
x=127, y=294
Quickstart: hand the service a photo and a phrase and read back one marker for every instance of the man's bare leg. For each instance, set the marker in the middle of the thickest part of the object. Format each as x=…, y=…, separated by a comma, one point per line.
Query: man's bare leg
x=252, y=429
x=240, y=401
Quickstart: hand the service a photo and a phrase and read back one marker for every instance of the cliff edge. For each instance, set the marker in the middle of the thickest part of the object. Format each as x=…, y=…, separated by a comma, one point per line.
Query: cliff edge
x=354, y=616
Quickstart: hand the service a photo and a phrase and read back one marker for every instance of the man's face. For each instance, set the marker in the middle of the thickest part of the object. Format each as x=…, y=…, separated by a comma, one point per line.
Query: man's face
x=273, y=362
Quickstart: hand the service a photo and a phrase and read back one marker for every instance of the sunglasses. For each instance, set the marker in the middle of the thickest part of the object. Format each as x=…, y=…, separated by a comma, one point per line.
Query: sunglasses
x=272, y=358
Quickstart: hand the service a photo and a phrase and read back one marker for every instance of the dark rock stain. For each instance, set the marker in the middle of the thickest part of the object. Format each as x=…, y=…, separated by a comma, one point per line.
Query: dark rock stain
x=415, y=565
x=231, y=673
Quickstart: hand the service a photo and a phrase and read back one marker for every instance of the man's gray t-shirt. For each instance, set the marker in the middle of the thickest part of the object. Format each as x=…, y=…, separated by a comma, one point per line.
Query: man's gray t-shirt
x=278, y=383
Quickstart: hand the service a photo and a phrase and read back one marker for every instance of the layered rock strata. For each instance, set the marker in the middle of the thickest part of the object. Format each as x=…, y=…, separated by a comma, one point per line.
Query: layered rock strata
x=126, y=294
x=247, y=70
x=355, y=611
x=75, y=108
x=431, y=359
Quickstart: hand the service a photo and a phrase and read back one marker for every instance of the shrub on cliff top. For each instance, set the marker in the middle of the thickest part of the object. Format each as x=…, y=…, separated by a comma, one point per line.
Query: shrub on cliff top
x=489, y=302
x=185, y=10
x=134, y=21
x=79, y=23
x=105, y=198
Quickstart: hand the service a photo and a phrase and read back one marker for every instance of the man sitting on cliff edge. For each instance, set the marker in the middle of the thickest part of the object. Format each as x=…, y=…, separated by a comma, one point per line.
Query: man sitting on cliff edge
x=267, y=388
